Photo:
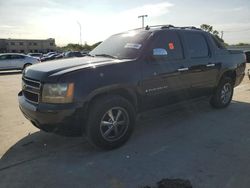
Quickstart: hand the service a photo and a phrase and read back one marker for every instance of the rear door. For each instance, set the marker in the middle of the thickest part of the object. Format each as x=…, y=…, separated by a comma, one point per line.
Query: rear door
x=163, y=81
x=5, y=62
x=202, y=66
x=18, y=61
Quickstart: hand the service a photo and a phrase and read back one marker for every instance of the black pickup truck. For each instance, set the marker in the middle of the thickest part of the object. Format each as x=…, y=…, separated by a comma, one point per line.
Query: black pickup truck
x=99, y=95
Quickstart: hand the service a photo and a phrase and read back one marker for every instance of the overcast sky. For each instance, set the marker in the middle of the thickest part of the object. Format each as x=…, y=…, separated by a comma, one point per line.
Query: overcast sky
x=100, y=19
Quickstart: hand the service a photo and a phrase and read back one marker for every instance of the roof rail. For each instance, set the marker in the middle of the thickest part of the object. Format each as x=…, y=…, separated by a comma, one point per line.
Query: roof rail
x=159, y=26
x=190, y=27
x=167, y=27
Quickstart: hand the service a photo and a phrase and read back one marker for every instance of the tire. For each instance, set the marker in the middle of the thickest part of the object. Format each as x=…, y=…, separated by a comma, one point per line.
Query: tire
x=110, y=122
x=223, y=93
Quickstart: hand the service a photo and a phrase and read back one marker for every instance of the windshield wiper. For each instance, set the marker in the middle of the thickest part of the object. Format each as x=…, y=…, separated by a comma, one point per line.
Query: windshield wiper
x=106, y=55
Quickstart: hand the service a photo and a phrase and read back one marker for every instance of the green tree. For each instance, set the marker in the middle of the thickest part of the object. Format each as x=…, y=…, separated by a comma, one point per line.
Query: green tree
x=242, y=44
x=210, y=29
x=207, y=28
x=96, y=44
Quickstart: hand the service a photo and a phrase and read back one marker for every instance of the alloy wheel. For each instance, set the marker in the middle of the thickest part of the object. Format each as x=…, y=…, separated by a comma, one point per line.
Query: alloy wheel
x=226, y=93
x=114, y=124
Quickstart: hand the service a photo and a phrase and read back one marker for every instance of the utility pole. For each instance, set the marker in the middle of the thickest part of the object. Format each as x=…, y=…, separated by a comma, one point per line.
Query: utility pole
x=222, y=34
x=80, y=27
x=142, y=17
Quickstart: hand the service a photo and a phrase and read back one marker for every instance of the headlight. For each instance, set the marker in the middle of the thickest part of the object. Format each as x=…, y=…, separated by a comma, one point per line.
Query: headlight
x=58, y=93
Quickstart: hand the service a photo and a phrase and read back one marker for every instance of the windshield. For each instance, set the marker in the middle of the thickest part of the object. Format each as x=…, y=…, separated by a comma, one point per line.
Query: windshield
x=122, y=46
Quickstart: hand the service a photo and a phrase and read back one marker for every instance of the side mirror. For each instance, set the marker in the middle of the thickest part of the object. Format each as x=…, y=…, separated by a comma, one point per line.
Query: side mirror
x=159, y=53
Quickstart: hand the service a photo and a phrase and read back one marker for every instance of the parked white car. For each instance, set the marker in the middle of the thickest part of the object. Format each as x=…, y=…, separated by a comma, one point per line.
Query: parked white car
x=14, y=61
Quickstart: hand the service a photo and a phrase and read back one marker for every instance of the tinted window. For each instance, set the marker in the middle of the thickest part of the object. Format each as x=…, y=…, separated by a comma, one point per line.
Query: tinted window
x=248, y=56
x=35, y=55
x=196, y=44
x=17, y=57
x=77, y=54
x=217, y=43
x=171, y=43
x=5, y=57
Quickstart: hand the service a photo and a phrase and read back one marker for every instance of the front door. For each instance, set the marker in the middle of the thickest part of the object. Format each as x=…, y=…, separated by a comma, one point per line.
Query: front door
x=164, y=78
x=5, y=62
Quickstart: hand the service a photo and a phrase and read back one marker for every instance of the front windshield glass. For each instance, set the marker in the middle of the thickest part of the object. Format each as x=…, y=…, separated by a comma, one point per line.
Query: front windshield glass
x=122, y=46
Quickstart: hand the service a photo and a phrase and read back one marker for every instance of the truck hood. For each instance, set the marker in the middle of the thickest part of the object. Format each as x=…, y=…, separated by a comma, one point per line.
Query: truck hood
x=42, y=71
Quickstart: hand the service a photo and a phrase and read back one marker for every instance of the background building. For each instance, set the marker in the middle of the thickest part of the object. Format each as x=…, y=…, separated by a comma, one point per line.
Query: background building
x=27, y=45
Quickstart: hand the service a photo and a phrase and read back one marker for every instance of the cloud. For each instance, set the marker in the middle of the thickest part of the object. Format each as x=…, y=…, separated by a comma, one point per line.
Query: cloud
x=58, y=19
x=152, y=10
x=234, y=32
x=128, y=19
x=233, y=26
x=228, y=10
x=6, y=26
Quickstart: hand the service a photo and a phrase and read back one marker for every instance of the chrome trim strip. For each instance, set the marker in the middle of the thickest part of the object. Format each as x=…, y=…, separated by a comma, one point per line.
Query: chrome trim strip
x=29, y=80
x=183, y=69
x=26, y=89
x=31, y=101
x=32, y=92
x=210, y=65
x=32, y=86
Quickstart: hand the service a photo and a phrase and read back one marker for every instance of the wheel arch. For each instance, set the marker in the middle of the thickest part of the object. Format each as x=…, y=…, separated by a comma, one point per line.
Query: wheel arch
x=231, y=73
x=25, y=64
x=126, y=93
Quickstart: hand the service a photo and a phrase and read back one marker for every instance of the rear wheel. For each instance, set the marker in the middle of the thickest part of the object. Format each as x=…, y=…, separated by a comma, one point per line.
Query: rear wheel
x=223, y=94
x=110, y=123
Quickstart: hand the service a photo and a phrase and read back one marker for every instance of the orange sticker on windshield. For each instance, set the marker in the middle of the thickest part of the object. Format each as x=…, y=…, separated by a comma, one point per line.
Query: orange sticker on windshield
x=171, y=46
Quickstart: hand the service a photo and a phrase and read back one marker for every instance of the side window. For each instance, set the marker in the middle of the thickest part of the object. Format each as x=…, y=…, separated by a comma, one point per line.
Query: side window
x=5, y=57
x=196, y=45
x=2, y=57
x=248, y=56
x=217, y=43
x=17, y=57
x=169, y=41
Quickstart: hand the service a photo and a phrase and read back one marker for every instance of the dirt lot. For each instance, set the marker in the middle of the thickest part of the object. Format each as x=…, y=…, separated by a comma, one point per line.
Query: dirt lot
x=211, y=148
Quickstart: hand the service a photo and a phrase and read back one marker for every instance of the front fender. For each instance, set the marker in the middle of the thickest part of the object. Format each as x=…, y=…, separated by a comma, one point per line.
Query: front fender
x=125, y=91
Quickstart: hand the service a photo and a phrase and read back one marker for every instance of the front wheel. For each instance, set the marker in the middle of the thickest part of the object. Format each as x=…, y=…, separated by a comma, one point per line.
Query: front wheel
x=223, y=94
x=110, y=123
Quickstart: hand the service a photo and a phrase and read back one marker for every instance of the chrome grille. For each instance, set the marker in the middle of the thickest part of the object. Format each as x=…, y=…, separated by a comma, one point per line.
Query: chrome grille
x=31, y=89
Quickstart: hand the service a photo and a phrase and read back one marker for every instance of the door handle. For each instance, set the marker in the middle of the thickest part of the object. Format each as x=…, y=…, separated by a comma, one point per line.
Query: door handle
x=183, y=69
x=210, y=65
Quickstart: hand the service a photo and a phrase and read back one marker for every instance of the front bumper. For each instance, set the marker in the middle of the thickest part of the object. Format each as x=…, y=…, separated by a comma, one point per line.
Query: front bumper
x=63, y=119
